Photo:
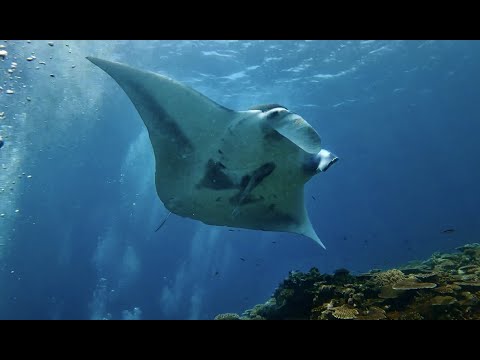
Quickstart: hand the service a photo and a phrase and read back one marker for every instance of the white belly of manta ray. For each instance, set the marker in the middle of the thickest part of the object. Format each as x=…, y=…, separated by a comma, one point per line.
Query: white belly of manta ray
x=244, y=169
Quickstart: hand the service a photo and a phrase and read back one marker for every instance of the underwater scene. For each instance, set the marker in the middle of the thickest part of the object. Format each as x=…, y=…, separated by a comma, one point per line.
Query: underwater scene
x=239, y=179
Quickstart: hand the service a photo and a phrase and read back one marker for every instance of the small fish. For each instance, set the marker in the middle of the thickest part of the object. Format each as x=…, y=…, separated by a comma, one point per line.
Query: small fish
x=242, y=259
x=313, y=197
x=216, y=273
x=231, y=230
x=274, y=242
x=448, y=231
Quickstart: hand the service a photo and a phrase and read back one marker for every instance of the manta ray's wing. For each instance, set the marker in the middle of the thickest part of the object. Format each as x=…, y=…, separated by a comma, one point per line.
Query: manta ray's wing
x=304, y=227
x=181, y=122
x=284, y=211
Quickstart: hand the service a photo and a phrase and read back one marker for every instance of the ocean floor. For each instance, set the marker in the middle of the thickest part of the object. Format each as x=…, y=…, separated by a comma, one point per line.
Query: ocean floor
x=444, y=287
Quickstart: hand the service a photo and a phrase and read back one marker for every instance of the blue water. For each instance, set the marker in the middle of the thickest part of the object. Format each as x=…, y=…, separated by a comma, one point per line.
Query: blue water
x=403, y=116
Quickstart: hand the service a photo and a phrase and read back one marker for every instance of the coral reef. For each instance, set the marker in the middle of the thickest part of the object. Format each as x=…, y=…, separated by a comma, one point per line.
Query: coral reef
x=444, y=287
x=227, y=316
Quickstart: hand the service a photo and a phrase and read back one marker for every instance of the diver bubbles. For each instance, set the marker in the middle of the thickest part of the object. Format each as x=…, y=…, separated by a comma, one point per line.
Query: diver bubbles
x=134, y=314
x=98, y=305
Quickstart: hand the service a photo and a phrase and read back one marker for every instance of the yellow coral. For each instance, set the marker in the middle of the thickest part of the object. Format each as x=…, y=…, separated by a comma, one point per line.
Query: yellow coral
x=468, y=283
x=227, y=316
x=447, y=289
x=345, y=312
x=412, y=284
x=443, y=300
x=373, y=313
x=386, y=292
x=426, y=276
x=388, y=277
x=467, y=269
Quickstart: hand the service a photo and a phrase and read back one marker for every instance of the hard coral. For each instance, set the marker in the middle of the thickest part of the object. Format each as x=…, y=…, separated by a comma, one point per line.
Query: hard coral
x=443, y=300
x=412, y=284
x=227, y=316
x=344, y=312
x=372, y=313
x=446, y=286
x=388, y=277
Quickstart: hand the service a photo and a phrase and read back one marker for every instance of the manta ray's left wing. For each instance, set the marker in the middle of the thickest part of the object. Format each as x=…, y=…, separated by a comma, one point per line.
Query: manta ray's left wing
x=182, y=123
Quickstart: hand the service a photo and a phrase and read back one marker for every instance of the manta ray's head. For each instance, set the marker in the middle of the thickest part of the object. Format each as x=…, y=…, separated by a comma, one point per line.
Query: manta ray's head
x=302, y=134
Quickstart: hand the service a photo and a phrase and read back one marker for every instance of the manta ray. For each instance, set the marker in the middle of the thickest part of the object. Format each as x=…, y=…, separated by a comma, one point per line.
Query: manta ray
x=242, y=169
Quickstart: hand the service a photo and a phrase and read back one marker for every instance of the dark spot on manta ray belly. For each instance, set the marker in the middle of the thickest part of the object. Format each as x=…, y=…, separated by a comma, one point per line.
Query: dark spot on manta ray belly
x=262, y=172
x=249, y=182
x=277, y=217
x=214, y=177
x=244, y=182
x=242, y=199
